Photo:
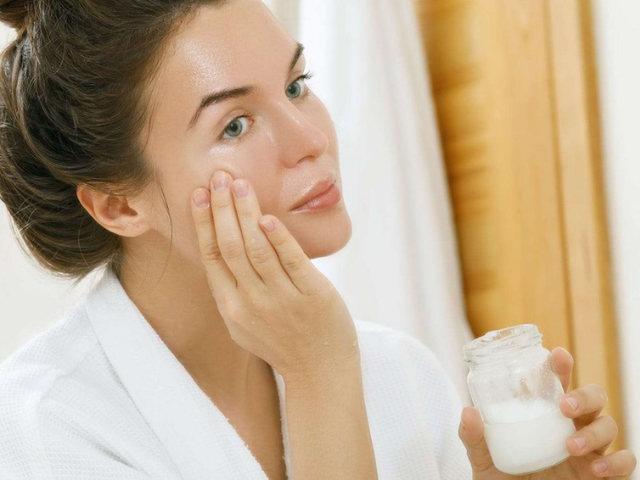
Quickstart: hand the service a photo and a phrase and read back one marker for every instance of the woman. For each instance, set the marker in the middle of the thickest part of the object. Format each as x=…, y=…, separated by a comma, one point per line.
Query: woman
x=161, y=139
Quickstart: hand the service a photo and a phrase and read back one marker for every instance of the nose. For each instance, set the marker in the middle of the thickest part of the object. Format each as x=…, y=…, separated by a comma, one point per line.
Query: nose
x=295, y=133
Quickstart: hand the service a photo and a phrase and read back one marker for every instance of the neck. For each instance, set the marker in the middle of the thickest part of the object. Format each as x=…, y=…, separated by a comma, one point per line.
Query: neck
x=176, y=301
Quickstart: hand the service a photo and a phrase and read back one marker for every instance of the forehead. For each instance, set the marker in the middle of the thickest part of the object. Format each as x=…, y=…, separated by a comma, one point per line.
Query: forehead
x=226, y=47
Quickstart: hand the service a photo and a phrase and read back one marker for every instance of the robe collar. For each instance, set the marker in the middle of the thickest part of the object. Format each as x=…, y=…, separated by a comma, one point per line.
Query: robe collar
x=196, y=434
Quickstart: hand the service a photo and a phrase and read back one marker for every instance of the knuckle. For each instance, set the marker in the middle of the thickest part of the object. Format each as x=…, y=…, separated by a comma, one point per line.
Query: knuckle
x=221, y=201
x=292, y=263
x=230, y=309
x=481, y=461
x=258, y=304
x=279, y=240
x=203, y=219
x=243, y=210
x=211, y=253
x=584, y=399
x=323, y=292
x=259, y=254
x=582, y=396
x=232, y=249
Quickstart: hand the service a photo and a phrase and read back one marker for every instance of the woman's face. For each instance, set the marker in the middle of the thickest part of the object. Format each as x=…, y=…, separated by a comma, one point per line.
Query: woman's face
x=284, y=143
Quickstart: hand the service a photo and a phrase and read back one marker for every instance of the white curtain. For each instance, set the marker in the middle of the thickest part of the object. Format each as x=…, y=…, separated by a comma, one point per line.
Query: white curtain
x=401, y=267
x=616, y=38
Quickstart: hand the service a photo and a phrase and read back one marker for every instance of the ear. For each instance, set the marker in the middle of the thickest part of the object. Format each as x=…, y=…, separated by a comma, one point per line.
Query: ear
x=119, y=214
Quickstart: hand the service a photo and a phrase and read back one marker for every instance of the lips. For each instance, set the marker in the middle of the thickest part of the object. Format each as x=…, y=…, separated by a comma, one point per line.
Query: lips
x=317, y=189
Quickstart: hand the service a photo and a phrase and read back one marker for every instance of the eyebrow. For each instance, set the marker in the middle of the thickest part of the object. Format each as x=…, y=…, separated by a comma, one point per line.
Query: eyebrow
x=243, y=91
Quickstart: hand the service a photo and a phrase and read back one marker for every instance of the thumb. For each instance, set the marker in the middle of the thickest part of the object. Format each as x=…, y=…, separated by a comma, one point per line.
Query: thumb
x=471, y=433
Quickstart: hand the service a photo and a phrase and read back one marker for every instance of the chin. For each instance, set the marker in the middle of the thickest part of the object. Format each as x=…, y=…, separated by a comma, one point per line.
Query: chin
x=321, y=235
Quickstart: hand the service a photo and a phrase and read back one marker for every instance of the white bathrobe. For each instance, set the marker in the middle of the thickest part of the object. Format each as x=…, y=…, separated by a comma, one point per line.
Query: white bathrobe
x=100, y=396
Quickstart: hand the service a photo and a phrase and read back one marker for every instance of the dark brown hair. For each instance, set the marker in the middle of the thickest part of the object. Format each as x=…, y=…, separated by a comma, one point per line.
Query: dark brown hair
x=73, y=107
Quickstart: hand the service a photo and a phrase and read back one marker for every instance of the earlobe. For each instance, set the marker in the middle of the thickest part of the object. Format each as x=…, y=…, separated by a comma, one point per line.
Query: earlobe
x=113, y=212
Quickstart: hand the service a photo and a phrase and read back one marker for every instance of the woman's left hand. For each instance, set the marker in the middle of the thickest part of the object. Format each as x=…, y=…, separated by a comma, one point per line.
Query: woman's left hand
x=598, y=432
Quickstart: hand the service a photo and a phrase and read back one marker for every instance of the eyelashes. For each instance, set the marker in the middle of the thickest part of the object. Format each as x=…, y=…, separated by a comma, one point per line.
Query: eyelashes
x=306, y=76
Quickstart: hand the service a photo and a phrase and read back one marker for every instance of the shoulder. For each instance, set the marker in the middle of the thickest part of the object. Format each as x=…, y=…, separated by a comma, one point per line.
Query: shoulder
x=34, y=368
x=394, y=361
x=30, y=375
x=393, y=344
x=46, y=394
x=411, y=400
x=27, y=377
x=65, y=411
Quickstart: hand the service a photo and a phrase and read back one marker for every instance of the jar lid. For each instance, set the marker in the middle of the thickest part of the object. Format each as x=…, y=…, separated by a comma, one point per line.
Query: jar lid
x=497, y=343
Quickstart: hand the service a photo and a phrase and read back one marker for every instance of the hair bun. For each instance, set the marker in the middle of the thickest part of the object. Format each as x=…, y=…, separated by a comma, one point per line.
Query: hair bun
x=16, y=12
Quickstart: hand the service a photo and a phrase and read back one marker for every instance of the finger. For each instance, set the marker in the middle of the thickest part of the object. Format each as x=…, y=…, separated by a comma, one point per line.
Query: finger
x=589, y=400
x=304, y=275
x=229, y=235
x=220, y=278
x=563, y=366
x=260, y=252
x=472, y=436
x=619, y=464
x=595, y=437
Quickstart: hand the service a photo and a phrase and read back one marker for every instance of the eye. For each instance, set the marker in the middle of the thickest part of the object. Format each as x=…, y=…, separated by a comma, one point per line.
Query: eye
x=235, y=128
x=306, y=76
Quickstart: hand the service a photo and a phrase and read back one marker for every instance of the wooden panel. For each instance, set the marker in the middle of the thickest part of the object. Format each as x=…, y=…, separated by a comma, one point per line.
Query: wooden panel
x=492, y=92
x=513, y=89
x=593, y=327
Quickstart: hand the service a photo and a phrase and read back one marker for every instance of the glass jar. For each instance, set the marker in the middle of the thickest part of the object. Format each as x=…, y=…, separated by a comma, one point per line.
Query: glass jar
x=514, y=386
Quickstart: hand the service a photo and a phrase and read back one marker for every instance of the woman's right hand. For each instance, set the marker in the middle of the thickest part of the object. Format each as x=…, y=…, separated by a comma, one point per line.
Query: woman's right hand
x=274, y=301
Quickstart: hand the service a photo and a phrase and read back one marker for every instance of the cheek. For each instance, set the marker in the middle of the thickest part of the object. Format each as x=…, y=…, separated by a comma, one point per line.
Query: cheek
x=258, y=170
x=177, y=221
x=171, y=211
x=256, y=161
x=180, y=232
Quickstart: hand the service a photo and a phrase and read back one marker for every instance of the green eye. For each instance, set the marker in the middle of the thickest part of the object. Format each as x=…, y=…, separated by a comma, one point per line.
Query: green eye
x=292, y=89
x=235, y=127
x=306, y=76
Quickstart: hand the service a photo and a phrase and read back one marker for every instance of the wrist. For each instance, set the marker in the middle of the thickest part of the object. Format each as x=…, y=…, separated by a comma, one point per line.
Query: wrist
x=323, y=375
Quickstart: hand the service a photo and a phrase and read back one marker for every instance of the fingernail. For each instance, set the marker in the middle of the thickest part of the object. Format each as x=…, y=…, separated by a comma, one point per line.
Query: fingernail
x=600, y=467
x=268, y=225
x=220, y=180
x=240, y=187
x=201, y=198
x=572, y=401
x=580, y=441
